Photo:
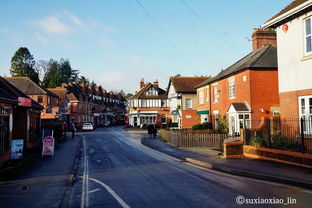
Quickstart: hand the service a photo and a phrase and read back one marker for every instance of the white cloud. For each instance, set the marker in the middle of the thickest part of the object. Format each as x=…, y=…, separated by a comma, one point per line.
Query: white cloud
x=41, y=38
x=73, y=18
x=54, y=25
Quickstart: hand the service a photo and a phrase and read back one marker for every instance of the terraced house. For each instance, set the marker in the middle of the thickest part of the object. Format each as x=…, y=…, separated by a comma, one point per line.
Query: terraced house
x=245, y=92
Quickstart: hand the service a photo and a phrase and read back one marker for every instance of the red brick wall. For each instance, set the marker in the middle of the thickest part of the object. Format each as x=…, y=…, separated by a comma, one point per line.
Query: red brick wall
x=264, y=92
x=242, y=93
x=289, y=103
x=189, y=122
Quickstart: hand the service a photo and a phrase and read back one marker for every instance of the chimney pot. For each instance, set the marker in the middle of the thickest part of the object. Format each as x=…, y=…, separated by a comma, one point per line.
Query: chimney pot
x=142, y=83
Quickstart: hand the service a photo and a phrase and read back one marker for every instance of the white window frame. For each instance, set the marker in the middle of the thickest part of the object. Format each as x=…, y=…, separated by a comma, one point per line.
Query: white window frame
x=207, y=94
x=188, y=105
x=307, y=114
x=307, y=53
x=231, y=88
x=215, y=94
x=201, y=96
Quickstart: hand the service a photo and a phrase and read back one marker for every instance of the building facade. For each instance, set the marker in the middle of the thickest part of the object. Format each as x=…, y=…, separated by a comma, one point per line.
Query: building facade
x=245, y=92
x=293, y=26
x=149, y=106
x=183, y=101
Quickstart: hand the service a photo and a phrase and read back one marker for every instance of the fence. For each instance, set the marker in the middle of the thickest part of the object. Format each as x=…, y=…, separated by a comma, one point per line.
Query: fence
x=187, y=139
x=293, y=134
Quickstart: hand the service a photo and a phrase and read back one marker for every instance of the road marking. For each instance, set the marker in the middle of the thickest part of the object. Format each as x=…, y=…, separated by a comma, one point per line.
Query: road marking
x=94, y=190
x=120, y=201
x=85, y=179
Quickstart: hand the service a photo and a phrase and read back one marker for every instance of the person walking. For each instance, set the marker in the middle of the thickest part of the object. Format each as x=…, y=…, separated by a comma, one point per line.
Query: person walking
x=73, y=130
x=154, y=130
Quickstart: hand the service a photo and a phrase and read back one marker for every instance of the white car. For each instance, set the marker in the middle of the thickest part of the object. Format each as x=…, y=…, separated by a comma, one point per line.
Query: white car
x=87, y=127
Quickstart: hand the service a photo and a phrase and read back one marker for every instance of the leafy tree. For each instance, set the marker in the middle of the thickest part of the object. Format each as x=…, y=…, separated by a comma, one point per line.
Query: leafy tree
x=23, y=64
x=58, y=73
x=83, y=80
x=93, y=87
x=53, y=77
x=128, y=96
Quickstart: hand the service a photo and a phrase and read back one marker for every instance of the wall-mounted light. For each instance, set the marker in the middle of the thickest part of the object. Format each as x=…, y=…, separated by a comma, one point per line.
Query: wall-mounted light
x=262, y=110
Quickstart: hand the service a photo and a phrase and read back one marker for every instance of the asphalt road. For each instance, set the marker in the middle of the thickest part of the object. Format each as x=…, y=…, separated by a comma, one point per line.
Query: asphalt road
x=116, y=170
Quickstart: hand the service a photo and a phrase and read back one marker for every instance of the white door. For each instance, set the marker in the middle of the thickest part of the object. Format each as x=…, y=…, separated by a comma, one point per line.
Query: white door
x=305, y=112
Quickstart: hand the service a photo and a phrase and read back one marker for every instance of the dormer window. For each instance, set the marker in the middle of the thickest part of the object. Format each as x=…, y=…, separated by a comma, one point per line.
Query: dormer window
x=151, y=91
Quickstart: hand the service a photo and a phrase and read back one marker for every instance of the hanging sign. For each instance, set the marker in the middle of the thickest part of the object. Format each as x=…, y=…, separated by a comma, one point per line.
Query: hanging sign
x=48, y=146
x=17, y=149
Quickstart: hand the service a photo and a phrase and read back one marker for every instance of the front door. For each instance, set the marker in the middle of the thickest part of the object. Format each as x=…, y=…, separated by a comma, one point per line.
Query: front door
x=305, y=112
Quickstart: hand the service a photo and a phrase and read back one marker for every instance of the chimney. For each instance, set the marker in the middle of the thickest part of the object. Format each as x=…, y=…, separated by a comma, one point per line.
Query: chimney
x=155, y=83
x=262, y=37
x=141, y=83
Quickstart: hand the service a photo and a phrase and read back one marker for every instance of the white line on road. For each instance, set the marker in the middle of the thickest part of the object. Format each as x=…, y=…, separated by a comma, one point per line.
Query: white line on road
x=121, y=202
x=85, y=179
x=94, y=190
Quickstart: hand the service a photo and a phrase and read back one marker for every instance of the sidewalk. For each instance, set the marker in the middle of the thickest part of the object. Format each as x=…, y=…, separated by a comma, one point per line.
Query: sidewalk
x=45, y=177
x=252, y=168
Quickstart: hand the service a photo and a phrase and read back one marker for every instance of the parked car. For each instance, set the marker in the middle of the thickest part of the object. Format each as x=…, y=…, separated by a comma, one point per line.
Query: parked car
x=87, y=127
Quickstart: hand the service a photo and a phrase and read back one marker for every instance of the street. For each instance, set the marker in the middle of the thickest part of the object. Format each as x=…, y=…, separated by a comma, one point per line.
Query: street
x=116, y=170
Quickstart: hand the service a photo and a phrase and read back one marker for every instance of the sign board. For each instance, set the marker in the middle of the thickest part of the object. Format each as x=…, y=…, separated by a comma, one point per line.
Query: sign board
x=23, y=101
x=48, y=146
x=17, y=149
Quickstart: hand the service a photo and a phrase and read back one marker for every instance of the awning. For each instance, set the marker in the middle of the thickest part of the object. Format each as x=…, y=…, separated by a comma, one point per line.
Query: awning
x=203, y=112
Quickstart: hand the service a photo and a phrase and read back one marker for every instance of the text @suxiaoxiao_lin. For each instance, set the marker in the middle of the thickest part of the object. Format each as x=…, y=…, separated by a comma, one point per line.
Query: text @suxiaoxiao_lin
x=259, y=200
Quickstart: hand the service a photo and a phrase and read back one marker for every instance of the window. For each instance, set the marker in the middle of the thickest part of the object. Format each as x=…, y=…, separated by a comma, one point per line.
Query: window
x=39, y=99
x=207, y=95
x=163, y=103
x=201, y=97
x=151, y=91
x=308, y=36
x=49, y=100
x=163, y=119
x=188, y=103
x=215, y=94
x=232, y=88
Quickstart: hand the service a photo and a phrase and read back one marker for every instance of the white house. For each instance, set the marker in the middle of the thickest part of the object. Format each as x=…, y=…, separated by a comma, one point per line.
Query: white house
x=293, y=26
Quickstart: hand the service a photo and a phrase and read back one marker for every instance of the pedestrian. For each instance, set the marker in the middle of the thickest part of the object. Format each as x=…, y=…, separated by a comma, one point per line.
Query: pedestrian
x=65, y=128
x=154, y=131
x=150, y=130
x=73, y=130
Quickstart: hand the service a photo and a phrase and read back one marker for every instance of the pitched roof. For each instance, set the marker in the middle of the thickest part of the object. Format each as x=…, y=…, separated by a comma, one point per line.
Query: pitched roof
x=263, y=58
x=186, y=84
x=61, y=92
x=141, y=93
x=241, y=107
x=10, y=93
x=29, y=87
x=288, y=8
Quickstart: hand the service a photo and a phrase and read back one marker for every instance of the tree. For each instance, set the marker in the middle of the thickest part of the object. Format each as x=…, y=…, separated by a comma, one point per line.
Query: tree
x=83, y=80
x=23, y=64
x=128, y=96
x=53, y=77
x=58, y=73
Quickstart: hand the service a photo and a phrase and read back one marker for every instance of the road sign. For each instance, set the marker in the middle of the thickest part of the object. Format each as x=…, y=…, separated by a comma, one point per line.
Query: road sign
x=48, y=146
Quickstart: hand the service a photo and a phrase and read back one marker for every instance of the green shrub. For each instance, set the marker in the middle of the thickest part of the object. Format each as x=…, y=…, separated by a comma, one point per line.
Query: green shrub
x=222, y=126
x=257, y=142
x=281, y=142
x=202, y=126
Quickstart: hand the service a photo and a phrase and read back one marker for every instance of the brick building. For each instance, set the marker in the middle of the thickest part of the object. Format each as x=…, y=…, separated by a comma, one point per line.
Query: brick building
x=183, y=101
x=293, y=25
x=149, y=106
x=246, y=91
x=19, y=119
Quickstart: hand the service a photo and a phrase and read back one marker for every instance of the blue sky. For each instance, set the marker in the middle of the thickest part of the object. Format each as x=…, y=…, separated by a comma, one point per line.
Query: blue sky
x=118, y=42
